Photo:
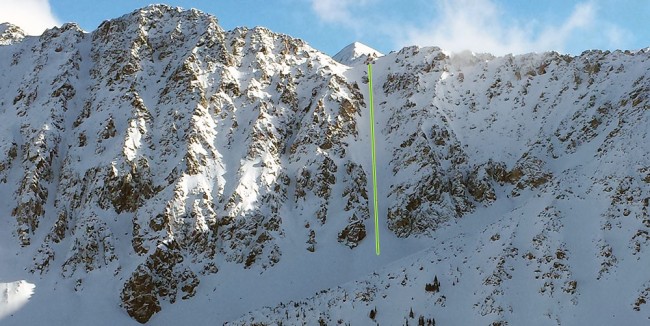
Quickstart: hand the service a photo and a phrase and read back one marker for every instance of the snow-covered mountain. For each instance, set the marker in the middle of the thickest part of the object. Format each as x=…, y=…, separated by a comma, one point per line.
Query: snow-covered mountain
x=356, y=54
x=163, y=170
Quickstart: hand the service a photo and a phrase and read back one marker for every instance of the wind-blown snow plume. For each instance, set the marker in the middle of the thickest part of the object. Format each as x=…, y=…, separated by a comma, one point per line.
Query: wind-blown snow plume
x=33, y=16
x=482, y=26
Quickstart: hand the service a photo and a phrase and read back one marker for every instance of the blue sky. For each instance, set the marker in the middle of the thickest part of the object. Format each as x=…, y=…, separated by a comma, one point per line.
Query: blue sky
x=496, y=26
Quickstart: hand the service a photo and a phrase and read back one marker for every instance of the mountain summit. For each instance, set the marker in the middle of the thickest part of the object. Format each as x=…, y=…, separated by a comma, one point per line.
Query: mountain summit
x=356, y=53
x=163, y=170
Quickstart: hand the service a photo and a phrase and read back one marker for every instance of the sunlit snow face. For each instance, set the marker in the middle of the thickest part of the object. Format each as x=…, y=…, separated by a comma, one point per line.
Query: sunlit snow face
x=13, y=296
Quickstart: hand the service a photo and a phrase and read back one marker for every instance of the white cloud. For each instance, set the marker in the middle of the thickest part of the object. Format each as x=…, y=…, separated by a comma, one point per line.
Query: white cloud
x=340, y=12
x=617, y=36
x=33, y=16
x=482, y=26
x=555, y=38
x=332, y=11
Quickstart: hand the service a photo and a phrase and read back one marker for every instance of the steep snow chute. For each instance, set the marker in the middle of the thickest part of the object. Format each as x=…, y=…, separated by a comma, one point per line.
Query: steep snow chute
x=374, y=160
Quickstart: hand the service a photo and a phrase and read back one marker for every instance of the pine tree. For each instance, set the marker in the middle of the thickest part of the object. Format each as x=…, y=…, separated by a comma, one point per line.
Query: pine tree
x=435, y=287
x=373, y=313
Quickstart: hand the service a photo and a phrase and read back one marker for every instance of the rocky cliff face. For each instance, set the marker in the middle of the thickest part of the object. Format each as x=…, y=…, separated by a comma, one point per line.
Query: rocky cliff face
x=159, y=149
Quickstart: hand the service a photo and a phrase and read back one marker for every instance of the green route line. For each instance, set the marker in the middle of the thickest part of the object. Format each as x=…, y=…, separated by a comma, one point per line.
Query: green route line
x=374, y=159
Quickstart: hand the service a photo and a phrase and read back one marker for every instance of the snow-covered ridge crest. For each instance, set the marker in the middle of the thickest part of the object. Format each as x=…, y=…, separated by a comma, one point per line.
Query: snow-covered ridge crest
x=199, y=174
x=10, y=34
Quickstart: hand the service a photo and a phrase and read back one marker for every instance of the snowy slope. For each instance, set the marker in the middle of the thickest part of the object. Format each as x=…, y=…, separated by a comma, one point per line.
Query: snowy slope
x=163, y=170
x=356, y=54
